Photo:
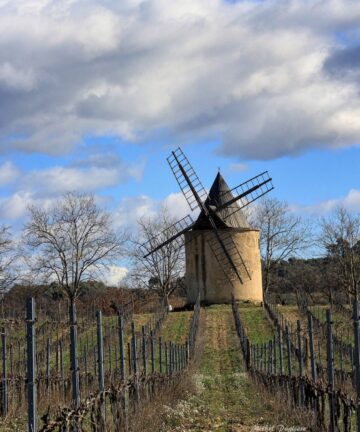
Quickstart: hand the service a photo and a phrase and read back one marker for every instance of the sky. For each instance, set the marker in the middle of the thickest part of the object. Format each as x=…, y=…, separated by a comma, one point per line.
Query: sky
x=95, y=94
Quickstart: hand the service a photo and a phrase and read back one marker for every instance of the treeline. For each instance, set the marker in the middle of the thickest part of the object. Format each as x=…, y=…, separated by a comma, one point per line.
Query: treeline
x=66, y=250
x=74, y=242
x=93, y=295
x=333, y=276
x=299, y=280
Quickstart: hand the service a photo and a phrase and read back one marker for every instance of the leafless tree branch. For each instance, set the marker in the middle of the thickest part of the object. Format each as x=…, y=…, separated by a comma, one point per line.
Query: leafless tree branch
x=283, y=235
x=71, y=242
x=159, y=271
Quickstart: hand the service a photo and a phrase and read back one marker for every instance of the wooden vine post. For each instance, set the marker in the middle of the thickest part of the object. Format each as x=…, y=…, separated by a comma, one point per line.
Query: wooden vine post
x=330, y=371
x=356, y=319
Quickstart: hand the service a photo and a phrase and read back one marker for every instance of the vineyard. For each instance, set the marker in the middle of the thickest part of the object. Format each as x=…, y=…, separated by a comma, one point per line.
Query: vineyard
x=122, y=360
x=222, y=368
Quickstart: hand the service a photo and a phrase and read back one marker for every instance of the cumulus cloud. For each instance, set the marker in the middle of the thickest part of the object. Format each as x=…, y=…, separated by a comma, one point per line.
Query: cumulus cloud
x=132, y=209
x=350, y=201
x=14, y=207
x=8, y=173
x=42, y=187
x=59, y=179
x=253, y=73
x=115, y=274
x=94, y=173
x=177, y=205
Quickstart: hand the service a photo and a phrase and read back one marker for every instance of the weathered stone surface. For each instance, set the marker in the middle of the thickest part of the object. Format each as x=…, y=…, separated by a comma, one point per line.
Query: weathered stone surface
x=204, y=273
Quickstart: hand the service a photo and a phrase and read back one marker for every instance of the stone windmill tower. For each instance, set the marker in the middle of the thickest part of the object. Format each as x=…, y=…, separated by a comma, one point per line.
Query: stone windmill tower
x=222, y=249
x=204, y=272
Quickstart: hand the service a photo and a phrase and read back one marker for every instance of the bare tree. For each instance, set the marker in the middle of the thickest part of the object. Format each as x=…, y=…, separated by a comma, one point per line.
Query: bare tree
x=162, y=270
x=8, y=258
x=74, y=242
x=340, y=238
x=283, y=235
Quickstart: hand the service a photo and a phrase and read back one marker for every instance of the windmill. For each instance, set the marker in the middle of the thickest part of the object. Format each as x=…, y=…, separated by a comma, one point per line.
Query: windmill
x=222, y=249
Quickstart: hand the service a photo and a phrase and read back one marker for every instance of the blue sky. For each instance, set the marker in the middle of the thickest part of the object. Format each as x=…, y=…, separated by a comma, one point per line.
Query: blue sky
x=304, y=180
x=245, y=86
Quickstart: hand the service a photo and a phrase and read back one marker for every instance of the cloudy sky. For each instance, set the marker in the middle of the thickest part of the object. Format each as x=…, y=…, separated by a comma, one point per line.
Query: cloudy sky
x=95, y=94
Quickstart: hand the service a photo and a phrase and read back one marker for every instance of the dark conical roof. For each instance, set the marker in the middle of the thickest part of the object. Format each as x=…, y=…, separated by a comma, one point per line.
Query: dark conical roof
x=229, y=217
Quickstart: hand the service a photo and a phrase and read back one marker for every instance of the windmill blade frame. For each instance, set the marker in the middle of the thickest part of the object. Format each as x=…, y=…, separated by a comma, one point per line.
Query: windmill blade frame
x=233, y=252
x=253, y=188
x=223, y=269
x=195, y=194
x=187, y=179
x=157, y=242
x=225, y=251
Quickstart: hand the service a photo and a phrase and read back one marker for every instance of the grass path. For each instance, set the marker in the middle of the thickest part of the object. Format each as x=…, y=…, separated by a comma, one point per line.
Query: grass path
x=176, y=326
x=225, y=399
x=258, y=326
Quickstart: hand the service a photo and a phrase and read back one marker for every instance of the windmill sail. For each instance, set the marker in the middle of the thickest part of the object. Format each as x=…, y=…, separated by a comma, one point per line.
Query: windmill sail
x=187, y=179
x=244, y=194
x=219, y=210
x=173, y=233
x=232, y=253
x=221, y=241
x=227, y=216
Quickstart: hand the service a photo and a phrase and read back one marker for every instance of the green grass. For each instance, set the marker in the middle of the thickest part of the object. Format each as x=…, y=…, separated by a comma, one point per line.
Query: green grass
x=88, y=336
x=224, y=397
x=258, y=326
x=176, y=327
x=342, y=328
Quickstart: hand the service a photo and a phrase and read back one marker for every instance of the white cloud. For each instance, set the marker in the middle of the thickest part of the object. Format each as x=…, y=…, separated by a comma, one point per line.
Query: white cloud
x=132, y=209
x=16, y=79
x=250, y=72
x=351, y=201
x=14, y=207
x=94, y=173
x=136, y=171
x=177, y=205
x=115, y=274
x=8, y=173
x=58, y=180
x=43, y=187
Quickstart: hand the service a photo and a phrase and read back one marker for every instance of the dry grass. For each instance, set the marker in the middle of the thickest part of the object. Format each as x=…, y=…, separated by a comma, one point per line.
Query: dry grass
x=217, y=394
x=150, y=417
x=54, y=397
x=290, y=313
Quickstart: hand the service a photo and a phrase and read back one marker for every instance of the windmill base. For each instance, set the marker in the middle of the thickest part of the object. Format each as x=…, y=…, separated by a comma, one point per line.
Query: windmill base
x=206, y=274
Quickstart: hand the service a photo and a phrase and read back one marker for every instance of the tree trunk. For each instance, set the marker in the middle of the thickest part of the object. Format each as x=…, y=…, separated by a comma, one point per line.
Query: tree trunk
x=331, y=297
x=266, y=281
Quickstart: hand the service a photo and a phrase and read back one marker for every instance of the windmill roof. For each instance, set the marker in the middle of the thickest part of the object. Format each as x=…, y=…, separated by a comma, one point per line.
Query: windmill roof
x=230, y=216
